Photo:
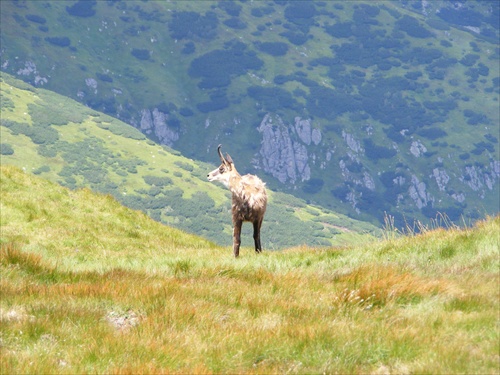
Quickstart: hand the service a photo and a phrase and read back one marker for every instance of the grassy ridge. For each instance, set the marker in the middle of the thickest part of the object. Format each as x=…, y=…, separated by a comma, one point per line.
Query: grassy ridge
x=60, y=140
x=89, y=286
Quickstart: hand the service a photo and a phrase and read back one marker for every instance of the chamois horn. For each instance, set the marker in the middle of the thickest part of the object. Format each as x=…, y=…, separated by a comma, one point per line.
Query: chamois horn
x=224, y=161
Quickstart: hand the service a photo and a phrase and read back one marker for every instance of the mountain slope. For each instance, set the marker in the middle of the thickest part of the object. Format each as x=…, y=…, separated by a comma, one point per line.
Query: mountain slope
x=77, y=226
x=357, y=106
x=57, y=138
x=89, y=286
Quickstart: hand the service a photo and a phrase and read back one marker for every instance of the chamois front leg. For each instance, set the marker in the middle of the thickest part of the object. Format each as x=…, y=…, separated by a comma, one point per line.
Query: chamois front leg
x=237, y=237
x=256, y=235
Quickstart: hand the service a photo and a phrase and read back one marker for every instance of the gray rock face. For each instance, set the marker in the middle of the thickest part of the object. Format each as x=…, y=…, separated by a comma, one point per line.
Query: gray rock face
x=316, y=136
x=28, y=70
x=306, y=132
x=441, y=177
x=155, y=122
x=417, y=149
x=480, y=179
x=418, y=193
x=283, y=149
x=91, y=83
x=303, y=129
x=353, y=144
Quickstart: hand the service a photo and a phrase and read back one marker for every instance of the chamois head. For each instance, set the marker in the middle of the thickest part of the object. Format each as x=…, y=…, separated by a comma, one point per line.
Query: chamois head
x=224, y=171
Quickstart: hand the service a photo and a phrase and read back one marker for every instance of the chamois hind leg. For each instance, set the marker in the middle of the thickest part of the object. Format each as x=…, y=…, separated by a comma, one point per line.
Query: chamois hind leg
x=256, y=235
x=237, y=237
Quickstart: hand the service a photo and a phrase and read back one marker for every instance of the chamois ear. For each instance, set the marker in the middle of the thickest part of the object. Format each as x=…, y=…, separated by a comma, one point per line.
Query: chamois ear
x=229, y=159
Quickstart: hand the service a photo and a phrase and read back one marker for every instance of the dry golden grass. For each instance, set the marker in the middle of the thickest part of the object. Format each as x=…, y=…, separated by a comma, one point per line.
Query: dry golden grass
x=88, y=286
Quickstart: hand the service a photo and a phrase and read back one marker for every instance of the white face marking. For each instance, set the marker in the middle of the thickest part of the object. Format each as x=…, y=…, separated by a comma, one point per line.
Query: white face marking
x=220, y=174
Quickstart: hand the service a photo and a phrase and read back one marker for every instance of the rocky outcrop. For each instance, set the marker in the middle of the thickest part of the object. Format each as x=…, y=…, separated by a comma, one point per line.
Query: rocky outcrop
x=303, y=129
x=417, y=149
x=418, y=193
x=155, y=122
x=353, y=144
x=481, y=178
x=31, y=70
x=283, y=151
x=306, y=132
x=441, y=177
x=92, y=84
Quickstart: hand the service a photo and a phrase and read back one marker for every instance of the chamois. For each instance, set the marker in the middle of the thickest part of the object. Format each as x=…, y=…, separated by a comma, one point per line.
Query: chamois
x=249, y=199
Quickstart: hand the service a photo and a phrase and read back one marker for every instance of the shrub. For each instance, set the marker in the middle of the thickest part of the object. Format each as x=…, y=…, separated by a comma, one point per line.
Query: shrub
x=475, y=118
x=369, y=200
x=82, y=8
x=47, y=152
x=202, y=201
x=483, y=70
x=420, y=55
x=67, y=171
x=216, y=103
x=186, y=112
x=157, y=181
x=230, y=7
x=190, y=24
x=481, y=147
x=7, y=103
x=217, y=67
x=376, y=152
x=313, y=186
x=20, y=20
x=188, y=48
x=35, y=18
x=432, y=133
x=186, y=166
x=301, y=13
x=123, y=130
x=491, y=138
x=296, y=38
x=42, y=169
x=412, y=27
x=104, y=77
x=340, y=192
x=281, y=79
x=469, y=59
x=261, y=11
x=44, y=135
x=235, y=23
x=141, y=54
x=52, y=115
x=6, y=149
x=327, y=103
x=340, y=29
x=462, y=17
x=272, y=98
x=273, y=48
x=413, y=75
x=59, y=41
x=354, y=166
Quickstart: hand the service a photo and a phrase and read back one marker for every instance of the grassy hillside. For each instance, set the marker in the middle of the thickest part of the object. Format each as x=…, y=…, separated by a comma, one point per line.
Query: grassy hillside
x=402, y=95
x=89, y=286
x=59, y=139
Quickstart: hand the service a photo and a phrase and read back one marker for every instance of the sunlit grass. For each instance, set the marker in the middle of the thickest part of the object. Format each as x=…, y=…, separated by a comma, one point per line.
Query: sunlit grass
x=89, y=286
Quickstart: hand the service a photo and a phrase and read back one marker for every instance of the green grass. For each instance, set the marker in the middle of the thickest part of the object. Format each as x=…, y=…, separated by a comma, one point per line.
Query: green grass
x=96, y=151
x=102, y=44
x=89, y=286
